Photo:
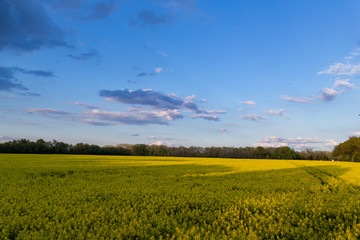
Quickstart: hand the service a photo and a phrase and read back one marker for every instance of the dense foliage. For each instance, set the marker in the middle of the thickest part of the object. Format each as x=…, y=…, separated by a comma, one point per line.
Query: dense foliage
x=348, y=150
x=40, y=146
x=111, y=197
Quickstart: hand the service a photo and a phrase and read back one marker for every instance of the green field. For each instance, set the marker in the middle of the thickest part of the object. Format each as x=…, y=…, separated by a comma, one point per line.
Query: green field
x=116, y=197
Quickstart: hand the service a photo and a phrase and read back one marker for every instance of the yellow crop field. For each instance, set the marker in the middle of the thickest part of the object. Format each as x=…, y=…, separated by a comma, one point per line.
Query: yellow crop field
x=123, y=197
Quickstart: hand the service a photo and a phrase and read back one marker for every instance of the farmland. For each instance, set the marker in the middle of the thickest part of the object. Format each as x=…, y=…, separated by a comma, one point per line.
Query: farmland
x=117, y=197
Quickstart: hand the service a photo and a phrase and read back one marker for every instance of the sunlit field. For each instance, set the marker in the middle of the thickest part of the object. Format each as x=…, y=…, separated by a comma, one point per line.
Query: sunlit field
x=116, y=197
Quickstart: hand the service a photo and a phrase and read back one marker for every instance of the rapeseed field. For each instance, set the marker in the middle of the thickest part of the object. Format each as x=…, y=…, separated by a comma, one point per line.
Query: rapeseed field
x=116, y=197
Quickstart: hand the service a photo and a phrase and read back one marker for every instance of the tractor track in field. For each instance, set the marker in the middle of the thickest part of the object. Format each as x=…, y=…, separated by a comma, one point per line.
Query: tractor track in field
x=317, y=173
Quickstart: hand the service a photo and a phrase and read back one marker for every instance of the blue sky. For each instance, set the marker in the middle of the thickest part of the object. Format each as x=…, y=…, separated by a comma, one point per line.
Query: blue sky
x=180, y=72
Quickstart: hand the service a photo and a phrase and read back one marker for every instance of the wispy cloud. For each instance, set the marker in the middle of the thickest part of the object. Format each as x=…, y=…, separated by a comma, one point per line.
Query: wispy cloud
x=280, y=112
x=156, y=51
x=248, y=102
x=30, y=94
x=6, y=85
x=298, y=99
x=47, y=112
x=165, y=12
x=356, y=52
x=37, y=73
x=222, y=130
x=90, y=106
x=342, y=69
x=253, y=117
x=148, y=17
x=160, y=138
x=9, y=82
x=162, y=54
x=155, y=71
x=343, y=83
x=206, y=117
x=212, y=111
x=142, y=74
x=94, y=122
x=85, y=10
x=180, y=4
x=326, y=94
x=102, y=10
x=149, y=97
x=84, y=56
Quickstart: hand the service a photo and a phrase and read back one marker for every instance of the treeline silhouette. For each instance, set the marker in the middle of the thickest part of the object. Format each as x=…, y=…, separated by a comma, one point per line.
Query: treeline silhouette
x=54, y=147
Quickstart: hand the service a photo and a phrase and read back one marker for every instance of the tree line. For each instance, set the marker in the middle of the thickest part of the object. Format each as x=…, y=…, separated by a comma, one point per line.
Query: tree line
x=348, y=150
x=55, y=147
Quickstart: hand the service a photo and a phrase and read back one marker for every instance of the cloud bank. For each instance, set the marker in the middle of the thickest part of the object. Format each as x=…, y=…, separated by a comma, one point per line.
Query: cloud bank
x=148, y=107
x=298, y=143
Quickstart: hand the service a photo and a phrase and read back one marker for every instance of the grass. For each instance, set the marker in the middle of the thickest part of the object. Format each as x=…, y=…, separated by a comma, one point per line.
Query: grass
x=116, y=197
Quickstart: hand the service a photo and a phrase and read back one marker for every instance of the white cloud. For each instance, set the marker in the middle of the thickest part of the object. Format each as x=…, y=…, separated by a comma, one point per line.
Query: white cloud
x=157, y=143
x=330, y=143
x=160, y=143
x=158, y=70
x=328, y=94
x=342, y=69
x=270, y=145
x=248, y=102
x=280, y=112
x=206, y=117
x=135, y=118
x=298, y=143
x=356, y=134
x=222, y=130
x=343, y=83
